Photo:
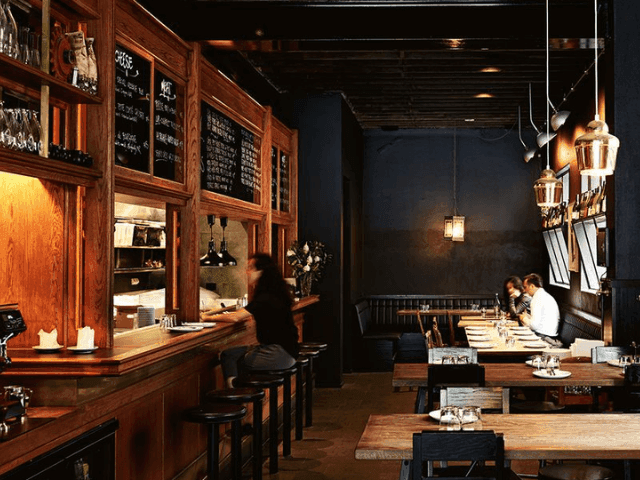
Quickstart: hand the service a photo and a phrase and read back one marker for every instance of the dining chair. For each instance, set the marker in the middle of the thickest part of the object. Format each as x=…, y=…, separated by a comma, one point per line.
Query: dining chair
x=435, y=354
x=469, y=449
x=487, y=398
x=443, y=376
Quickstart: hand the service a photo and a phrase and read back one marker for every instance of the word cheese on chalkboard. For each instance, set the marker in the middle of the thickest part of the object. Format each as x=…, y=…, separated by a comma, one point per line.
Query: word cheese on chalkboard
x=168, y=144
x=230, y=157
x=132, y=110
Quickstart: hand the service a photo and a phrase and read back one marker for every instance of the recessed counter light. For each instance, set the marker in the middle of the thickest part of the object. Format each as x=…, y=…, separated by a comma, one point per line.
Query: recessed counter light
x=491, y=70
x=483, y=95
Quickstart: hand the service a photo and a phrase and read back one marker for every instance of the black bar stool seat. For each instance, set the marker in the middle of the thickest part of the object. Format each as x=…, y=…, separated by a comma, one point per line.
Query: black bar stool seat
x=313, y=346
x=575, y=472
x=311, y=355
x=240, y=396
x=270, y=382
x=212, y=415
x=286, y=374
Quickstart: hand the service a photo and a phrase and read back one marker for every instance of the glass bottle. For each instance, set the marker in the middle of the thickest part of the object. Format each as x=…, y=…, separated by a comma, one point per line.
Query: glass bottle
x=11, y=32
x=4, y=24
x=36, y=131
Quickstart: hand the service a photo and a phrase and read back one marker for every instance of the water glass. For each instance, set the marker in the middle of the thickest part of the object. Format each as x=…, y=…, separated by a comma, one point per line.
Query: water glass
x=424, y=308
x=626, y=360
x=538, y=361
x=449, y=419
x=448, y=359
x=470, y=417
x=496, y=310
x=510, y=341
x=484, y=312
x=553, y=362
x=462, y=359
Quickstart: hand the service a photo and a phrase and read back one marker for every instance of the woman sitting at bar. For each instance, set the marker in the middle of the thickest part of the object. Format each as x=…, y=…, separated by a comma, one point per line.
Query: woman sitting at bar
x=270, y=306
x=518, y=301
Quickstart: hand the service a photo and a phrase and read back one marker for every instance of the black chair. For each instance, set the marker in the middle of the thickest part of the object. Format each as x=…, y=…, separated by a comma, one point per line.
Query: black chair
x=270, y=382
x=377, y=345
x=213, y=415
x=239, y=396
x=473, y=447
x=442, y=376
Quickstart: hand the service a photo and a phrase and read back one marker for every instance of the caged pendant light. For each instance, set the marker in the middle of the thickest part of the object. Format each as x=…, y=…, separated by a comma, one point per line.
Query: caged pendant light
x=548, y=188
x=597, y=149
x=454, y=224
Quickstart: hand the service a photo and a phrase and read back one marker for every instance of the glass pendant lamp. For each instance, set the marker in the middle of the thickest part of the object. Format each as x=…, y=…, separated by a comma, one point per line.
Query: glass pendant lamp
x=597, y=149
x=226, y=257
x=454, y=224
x=548, y=188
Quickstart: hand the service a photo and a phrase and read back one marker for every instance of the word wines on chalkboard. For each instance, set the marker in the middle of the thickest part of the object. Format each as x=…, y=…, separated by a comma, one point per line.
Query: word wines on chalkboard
x=133, y=82
x=274, y=178
x=230, y=157
x=279, y=180
x=168, y=144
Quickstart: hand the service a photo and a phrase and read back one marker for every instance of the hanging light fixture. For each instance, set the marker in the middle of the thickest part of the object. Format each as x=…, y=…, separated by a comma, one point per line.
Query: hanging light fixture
x=529, y=153
x=559, y=117
x=454, y=224
x=226, y=257
x=211, y=259
x=543, y=137
x=597, y=149
x=548, y=188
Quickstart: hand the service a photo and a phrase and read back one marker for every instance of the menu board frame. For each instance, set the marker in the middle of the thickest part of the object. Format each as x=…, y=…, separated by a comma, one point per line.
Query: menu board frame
x=230, y=156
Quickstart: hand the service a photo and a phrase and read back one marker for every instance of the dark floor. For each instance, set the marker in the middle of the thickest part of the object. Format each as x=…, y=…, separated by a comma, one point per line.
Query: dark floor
x=340, y=414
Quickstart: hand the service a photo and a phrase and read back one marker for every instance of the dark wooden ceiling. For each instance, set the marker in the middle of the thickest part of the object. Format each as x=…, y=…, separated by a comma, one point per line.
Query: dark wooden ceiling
x=402, y=64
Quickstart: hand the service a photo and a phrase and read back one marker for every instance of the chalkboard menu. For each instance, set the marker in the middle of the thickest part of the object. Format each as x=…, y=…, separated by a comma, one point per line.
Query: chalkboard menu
x=168, y=144
x=274, y=178
x=133, y=83
x=284, y=182
x=230, y=157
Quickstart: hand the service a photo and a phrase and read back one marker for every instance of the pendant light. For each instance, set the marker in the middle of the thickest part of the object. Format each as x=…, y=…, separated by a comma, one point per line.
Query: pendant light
x=529, y=153
x=548, y=188
x=211, y=259
x=597, y=149
x=559, y=117
x=454, y=224
x=226, y=257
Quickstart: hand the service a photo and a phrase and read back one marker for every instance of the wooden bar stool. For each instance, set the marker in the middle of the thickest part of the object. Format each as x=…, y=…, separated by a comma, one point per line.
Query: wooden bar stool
x=239, y=396
x=212, y=415
x=286, y=374
x=270, y=382
x=302, y=364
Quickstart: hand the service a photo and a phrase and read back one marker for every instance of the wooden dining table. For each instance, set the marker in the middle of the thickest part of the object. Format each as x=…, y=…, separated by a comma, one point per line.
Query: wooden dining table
x=605, y=436
x=448, y=312
x=508, y=375
x=497, y=347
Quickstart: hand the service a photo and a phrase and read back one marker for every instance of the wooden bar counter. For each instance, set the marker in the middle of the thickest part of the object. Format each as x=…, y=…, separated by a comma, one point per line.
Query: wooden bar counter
x=145, y=381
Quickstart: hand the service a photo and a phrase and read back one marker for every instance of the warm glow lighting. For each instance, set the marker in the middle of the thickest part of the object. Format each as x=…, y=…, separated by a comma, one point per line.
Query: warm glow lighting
x=457, y=233
x=454, y=42
x=490, y=70
x=483, y=95
x=548, y=189
x=448, y=227
x=454, y=224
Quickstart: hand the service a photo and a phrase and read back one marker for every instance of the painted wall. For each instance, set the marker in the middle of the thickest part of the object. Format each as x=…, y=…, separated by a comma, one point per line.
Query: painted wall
x=408, y=189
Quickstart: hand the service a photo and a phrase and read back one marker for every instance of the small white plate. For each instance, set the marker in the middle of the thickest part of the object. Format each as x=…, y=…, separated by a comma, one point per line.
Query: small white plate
x=529, y=338
x=536, y=345
x=615, y=363
x=476, y=327
x=185, y=328
x=199, y=324
x=481, y=338
x=81, y=350
x=524, y=329
x=558, y=374
x=47, y=349
x=521, y=332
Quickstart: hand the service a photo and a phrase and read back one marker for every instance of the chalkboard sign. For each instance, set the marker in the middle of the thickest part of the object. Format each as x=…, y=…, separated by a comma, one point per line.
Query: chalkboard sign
x=230, y=157
x=274, y=178
x=168, y=144
x=284, y=182
x=133, y=83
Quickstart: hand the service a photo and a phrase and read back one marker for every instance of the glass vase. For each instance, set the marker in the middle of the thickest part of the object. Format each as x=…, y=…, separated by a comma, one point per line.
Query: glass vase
x=305, y=285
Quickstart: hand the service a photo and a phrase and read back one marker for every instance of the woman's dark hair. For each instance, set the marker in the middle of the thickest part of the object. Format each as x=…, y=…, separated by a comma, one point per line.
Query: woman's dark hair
x=516, y=282
x=271, y=279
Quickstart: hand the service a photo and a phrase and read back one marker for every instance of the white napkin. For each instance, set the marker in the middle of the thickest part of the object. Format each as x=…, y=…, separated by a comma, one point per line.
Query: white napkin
x=48, y=340
x=85, y=337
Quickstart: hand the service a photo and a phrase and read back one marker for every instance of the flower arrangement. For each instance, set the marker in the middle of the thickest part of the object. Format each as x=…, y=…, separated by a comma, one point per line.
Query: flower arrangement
x=308, y=261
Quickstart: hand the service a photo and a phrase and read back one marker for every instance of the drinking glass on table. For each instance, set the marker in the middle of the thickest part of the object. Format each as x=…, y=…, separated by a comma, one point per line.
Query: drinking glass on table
x=448, y=360
x=553, y=363
x=449, y=419
x=510, y=341
x=625, y=360
x=470, y=417
x=462, y=359
x=484, y=312
x=538, y=361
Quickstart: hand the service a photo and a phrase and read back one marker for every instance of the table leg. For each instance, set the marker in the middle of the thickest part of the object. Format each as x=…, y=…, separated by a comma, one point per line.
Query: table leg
x=420, y=400
x=506, y=393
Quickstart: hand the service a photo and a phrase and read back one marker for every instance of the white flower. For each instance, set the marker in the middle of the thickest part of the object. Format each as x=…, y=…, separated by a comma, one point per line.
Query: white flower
x=309, y=260
x=290, y=253
x=306, y=268
x=316, y=259
x=305, y=249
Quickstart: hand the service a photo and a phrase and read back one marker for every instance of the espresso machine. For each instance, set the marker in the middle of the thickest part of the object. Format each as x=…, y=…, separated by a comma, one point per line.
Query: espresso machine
x=15, y=400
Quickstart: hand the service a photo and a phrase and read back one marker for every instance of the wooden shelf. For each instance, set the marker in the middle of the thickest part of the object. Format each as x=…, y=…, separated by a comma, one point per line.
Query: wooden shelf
x=140, y=247
x=33, y=78
x=13, y=161
x=138, y=270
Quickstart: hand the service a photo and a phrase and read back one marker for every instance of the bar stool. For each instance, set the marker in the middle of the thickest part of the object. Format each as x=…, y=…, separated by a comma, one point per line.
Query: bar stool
x=239, y=396
x=310, y=355
x=575, y=472
x=311, y=350
x=302, y=363
x=286, y=374
x=212, y=415
x=270, y=382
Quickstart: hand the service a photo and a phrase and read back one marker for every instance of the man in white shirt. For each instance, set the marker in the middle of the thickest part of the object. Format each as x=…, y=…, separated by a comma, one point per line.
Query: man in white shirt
x=544, y=319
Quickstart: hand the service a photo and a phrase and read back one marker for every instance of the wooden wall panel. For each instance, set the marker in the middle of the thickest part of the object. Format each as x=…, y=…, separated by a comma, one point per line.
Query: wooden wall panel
x=33, y=254
x=139, y=439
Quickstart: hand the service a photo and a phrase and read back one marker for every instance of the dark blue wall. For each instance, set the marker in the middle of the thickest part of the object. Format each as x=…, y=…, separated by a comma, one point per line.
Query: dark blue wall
x=408, y=189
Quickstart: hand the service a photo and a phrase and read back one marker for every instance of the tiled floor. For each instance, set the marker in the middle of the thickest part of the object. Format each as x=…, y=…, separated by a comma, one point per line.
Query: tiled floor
x=340, y=414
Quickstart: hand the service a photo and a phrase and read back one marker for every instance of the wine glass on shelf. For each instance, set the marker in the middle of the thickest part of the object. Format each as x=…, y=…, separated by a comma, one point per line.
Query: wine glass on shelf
x=10, y=32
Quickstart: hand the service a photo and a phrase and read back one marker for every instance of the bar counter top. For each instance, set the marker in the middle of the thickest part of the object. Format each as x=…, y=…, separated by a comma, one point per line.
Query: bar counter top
x=131, y=351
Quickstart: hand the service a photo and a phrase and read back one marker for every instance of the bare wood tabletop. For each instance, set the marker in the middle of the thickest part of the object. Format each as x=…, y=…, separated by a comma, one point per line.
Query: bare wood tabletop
x=520, y=375
x=526, y=436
